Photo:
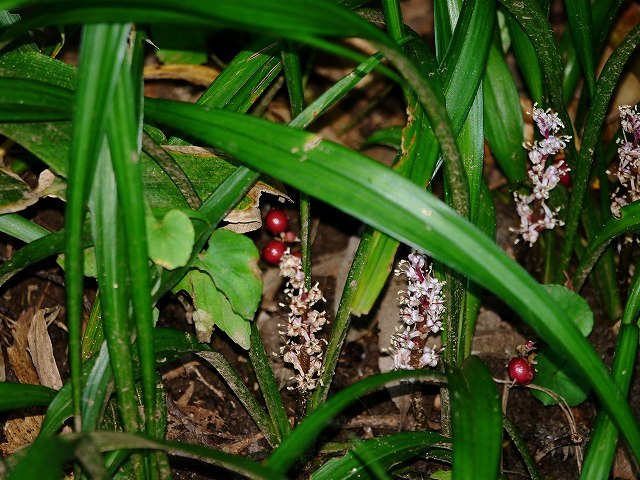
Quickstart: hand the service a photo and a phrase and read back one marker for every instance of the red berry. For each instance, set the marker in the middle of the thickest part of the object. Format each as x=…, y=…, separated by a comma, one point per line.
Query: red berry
x=290, y=237
x=272, y=252
x=520, y=370
x=565, y=176
x=276, y=221
x=297, y=254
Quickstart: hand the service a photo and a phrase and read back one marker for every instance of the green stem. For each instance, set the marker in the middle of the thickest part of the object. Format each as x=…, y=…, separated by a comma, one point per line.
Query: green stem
x=340, y=324
x=293, y=77
x=231, y=377
x=268, y=387
x=522, y=448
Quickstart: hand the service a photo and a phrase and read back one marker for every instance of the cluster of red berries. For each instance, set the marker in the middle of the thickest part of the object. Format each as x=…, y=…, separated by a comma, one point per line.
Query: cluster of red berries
x=277, y=223
x=520, y=369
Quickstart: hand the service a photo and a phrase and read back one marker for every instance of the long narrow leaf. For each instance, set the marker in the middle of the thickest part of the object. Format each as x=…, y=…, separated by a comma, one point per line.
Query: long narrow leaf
x=466, y=57
x=477, y=421
x=306, y=432
x=45, y=458
x=535, y=24
x=20, y=395
x=123, y=132
x=32, y=100
x=19, y=227
x=286, y=18
x=579, y=17
x=169, y=345
x=397, y=207
x=386, y=451
x=595, y=119
x=114, y=292
x=601, y=448
x=101, y=53
x=224, y=368
x=268, y=385
x=503, y=121
x=526, y=58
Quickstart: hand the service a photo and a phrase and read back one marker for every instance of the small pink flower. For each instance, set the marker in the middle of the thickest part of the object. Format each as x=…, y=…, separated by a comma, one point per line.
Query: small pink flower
x=544, y=174
x=628, y=172
x=422, y=306
x=302, y=349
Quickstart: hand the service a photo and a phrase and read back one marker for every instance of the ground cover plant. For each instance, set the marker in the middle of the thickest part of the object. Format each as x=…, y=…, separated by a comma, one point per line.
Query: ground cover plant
x=159, y=195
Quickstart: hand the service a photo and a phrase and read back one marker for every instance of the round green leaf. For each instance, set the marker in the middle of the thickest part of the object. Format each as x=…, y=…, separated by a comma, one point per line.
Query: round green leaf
x=556, y=374
x=553, y=370
x=170, y=239
x=576, y=307
x=232, y=262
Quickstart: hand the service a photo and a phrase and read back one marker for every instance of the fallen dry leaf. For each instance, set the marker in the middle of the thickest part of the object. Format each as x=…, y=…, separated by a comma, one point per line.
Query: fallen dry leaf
x=3, y=375
x=195, y=74
x=23, y=426
x=41, y=350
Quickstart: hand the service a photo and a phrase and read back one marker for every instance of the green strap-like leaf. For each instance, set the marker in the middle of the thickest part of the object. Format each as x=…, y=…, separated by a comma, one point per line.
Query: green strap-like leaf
x=169, y=345
x=399, y=208
x=526, y=58
x=46, y=457
x=504, y=126
x=111, y=262
x=20, y=395
x=629, y=221
x=306, y=432
x=385, y=451
x=535, y=24
x=464, y=62
x=125, y=126
x=224, y=368
x=19, y=227
x=595, y=119
x=32, y=100
x=477, y=421
x=268, y=385
x=101, y=54
x=604, y=14
x=287, y=18
x=602, y=446
x=579, y=17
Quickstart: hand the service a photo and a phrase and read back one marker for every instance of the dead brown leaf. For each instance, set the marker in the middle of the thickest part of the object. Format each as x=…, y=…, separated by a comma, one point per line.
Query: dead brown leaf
x=195, y=74
x=3, y=375
x=23, y=426
x=41, y=350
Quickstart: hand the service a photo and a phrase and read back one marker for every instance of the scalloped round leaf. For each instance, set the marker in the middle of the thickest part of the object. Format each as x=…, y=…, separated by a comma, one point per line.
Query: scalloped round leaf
x=213, y=308
x=90, y=265
x=556, y=374
x=232, y=262
x=170, y=239
x=553, y=371
x=576, y=307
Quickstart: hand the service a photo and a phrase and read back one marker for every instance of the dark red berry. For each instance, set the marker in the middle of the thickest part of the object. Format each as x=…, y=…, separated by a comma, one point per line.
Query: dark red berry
x=563, y=173
x=520, y=370
x=276, y=221
x=272, y=252
x=297, y=254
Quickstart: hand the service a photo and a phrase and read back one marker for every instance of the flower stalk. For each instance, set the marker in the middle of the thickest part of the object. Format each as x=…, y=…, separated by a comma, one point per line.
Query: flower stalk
x=303, y=350
x=535, y=215
x=422, y=307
